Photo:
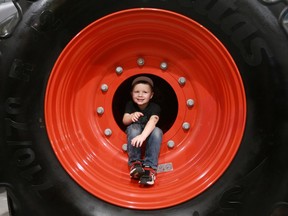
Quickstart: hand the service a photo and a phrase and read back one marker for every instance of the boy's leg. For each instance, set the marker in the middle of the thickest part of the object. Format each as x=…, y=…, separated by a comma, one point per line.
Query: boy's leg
x=150, y=163
x=134, y=153
x=152, y=151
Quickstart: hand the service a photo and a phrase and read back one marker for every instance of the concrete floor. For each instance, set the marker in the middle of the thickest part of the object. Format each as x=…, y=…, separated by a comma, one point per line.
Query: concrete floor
x=3, y=203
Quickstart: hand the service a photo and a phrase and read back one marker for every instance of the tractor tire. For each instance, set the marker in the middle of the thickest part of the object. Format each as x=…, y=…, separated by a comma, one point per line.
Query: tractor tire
x=61, y=132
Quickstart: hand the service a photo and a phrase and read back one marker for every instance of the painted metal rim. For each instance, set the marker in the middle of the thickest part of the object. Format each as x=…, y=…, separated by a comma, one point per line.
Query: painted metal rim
x=78, y=106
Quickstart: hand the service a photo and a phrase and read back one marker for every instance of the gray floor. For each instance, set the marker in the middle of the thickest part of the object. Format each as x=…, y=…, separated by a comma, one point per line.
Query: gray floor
x=3, y=203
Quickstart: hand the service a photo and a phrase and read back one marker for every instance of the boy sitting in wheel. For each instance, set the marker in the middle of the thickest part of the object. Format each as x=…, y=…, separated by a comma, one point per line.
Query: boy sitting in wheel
x=141, y=116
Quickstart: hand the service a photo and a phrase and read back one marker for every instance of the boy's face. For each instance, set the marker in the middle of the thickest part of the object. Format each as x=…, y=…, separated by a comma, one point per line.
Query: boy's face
x=141, y=94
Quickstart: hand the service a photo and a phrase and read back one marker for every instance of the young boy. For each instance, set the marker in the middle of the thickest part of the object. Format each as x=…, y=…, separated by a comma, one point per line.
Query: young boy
x=141, y=116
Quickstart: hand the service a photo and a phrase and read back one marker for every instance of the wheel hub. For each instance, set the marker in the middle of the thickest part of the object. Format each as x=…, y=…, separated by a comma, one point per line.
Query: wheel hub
x=204, y=106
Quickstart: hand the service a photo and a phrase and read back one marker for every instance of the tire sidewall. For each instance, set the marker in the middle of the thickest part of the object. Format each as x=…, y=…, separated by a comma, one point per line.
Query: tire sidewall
x=31, y=168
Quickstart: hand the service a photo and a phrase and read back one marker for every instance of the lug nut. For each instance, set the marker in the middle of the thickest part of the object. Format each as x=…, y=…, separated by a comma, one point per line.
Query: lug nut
x=182, y=81
x=119, y=70
x=186, y=126
x=100, y=110
x=190, y=103
x=108, y=132
x=124, y=147
x=140, y=61
x=163, y=65
x=170, y=144
x=104, y=88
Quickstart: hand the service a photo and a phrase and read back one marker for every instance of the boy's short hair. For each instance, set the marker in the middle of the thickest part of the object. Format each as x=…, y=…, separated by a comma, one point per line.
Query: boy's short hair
x=142, y=79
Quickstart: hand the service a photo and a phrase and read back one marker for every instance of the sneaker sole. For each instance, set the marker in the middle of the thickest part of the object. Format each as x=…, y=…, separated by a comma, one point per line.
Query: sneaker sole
x=147, y=182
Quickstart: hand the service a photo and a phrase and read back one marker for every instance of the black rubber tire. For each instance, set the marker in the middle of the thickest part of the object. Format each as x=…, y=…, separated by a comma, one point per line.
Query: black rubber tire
x=252, y=32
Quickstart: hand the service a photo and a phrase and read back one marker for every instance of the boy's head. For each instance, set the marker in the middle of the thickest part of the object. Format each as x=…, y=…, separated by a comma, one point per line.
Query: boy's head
x=142, y=91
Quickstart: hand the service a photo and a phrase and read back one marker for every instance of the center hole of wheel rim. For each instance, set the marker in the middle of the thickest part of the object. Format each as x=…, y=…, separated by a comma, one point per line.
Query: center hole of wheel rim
x=164, y=96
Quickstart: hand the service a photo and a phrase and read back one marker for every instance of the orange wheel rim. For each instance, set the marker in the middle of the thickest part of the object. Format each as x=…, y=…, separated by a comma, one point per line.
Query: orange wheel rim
x=200, y=71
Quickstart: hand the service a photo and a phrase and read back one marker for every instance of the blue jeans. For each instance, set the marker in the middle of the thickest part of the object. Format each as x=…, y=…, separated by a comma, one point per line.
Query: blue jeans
x=153, y=144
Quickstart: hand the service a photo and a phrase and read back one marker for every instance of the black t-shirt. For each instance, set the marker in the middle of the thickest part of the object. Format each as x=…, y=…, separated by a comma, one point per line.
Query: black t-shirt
x=151, y=109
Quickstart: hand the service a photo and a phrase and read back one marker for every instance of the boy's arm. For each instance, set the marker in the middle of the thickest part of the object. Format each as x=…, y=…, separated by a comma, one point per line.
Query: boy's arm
x=129, y=118
x=149, y=127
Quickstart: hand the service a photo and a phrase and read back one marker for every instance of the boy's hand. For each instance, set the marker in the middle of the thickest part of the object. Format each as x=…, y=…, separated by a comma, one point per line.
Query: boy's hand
x=138, y=141
x=135, y=116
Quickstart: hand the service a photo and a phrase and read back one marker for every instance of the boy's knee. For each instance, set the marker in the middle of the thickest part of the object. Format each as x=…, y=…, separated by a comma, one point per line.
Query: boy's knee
x=134, y=129
x=157, y=132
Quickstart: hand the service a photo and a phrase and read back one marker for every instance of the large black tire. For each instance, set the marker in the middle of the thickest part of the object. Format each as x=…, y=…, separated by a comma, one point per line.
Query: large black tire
x=254, y=34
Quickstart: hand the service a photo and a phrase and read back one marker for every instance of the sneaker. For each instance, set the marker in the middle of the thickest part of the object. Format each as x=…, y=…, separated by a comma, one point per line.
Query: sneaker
x=136, y=170
x=149, y=176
